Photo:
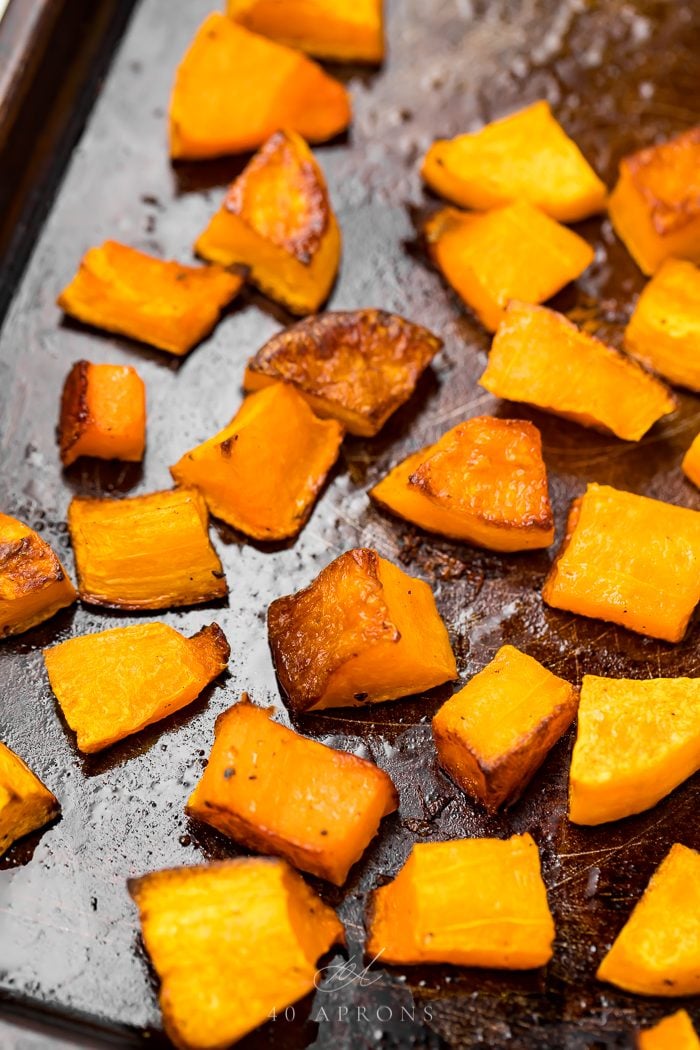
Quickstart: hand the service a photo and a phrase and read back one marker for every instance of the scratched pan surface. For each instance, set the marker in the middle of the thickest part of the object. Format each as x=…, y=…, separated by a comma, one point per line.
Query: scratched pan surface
x=619, y=76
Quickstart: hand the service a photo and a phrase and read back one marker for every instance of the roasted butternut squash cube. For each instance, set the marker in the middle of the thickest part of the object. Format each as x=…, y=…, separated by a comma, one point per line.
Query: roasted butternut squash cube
x=630, y=560
x=655, y=206
x=278, y=792
x=525, y=156
x=233, y=89
x=515, y=252
x=675, y=1032
x=691, y=461
x=146, y=552
x=355, y=366
x=156, y=301
x=664, y=330
x=484, y=482
x=361, y=633
x=473, y=902
x=277, y=220
x=114, y=683
x=657, y=952
x=232, y=943
x=25, y=804
x=33, y=583
x=538, y=356
x=103, y=413
x=339, y=30
x=494, y=734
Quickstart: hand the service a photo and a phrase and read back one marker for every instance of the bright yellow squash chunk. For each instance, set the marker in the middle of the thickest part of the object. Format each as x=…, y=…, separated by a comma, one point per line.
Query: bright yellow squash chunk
x=675, y=1032
x=33, y=582
x=339, y=30
x=25, y=804
x=664, y=330
x=691, y=462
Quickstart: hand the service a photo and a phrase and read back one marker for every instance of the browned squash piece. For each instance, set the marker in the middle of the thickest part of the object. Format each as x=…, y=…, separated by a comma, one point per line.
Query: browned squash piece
x=655, y=206
x=691, y=461
x=630, y=560
x=675, y=1032
x=664, y=330
x=262, y=472
x=357, y=367
x=33, y=583
x=538, y=356
x=232, y=943
x=162, y=303
x=362, y=632
x=339, y=30
x=277, y=220
x=484, y=481
x=103, y=413
x=114, y=683
x=494, y=734
x=473, y=902
x=25, y=804
x=277, y=792
x=233, y=89
x=146, y=552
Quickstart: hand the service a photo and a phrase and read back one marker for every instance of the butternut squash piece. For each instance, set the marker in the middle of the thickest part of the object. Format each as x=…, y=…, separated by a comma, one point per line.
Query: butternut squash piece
x=231, y=943
x=277, y=220
x=691, y=461
x=33, y=582
x=515, y=252
x=146, y=552
x=675, y=1032
x=525, y=156
x=263, y=472
x=159, y=302
x=233, y=89
x=657, y=952
x=361, y=633
x=630, y=560
x=103, y=413
x=339, y=30
x=664, y=330
x=538, y=356
x=655, y=206
x=494, y=734
x=473, y=902
x=25, y=804
x=277, y=792
x=114, y=683
x=484, y=482
x=355, y=366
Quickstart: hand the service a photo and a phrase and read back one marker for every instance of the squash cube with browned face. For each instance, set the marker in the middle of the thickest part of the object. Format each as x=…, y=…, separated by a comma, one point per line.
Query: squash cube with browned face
x=675, y=1032
x=103, y=413
x=361, y=633
x=664, y=330
x=691, y=461
x=25, y=803
x=339, y=30
x=33, y=582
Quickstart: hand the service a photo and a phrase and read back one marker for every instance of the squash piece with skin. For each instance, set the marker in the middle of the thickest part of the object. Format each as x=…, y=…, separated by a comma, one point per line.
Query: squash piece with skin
x=277, y=792
x=233, y=943
x=664, y=330
x=361, y=633
x=472, y=902
x=33, y=583
x=25, y=803
x=339, y=30
x=691, y=461
x=103, y=413
x=674, y=1032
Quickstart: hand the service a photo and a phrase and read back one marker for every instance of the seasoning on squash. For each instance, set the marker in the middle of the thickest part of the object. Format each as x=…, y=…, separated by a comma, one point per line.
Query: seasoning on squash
x=484, y=482
x=630, y=560
x=232, y=943
x=514, y=252
x=277, y=220
x=538, y=356
x=494, y=734
x=33, y=582
x=361, y=633
x=156, y=301
x=525, y=156
x=338, y=30
x=25, y=803
x=657, y=952
x=355, y=366
x=233, y=89
x=636, y=741
x=664, y=331
x=103, y=413
x=691, y=461
x=114, y=683
x=277, y=792
x=655, y=206
x=472, y=902
x=674, y=1032
x=262, y=473
x=146, y=552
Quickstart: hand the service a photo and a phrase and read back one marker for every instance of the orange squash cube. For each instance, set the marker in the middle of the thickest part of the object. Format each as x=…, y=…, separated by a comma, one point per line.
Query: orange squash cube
x=655, y=206
x=233, y=89
x=473, y=902
x=675, y=1032
x=361, y=633
x=515, y=252
x=339, y=30
x=691, y=462
x=33, y=582
x=664, y=330
x=25, y=803
x=484, y=482
x=541, y=358
x=629, y=560
x=277, y=792
x=525, y=156
x=355, y=366
x=233, y=943
x=103, y=413
x=277, y=220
